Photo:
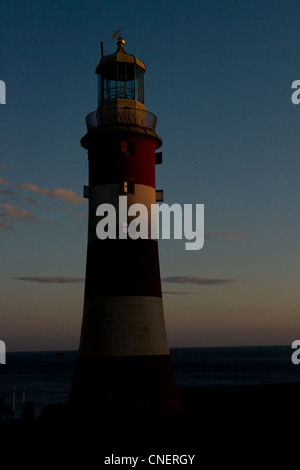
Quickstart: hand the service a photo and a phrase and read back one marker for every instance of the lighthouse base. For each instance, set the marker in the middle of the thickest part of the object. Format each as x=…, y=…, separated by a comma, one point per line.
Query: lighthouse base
x=141, y=384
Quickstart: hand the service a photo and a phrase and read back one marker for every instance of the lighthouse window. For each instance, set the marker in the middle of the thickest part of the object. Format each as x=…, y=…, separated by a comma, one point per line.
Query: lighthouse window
x=126, y=81
x=127, y=148
x=139, y=85
x=130, y=148
x=128, y=187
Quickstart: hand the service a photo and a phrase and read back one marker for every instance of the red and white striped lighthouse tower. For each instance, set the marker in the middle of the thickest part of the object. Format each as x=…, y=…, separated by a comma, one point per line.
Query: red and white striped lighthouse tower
x=123, y=360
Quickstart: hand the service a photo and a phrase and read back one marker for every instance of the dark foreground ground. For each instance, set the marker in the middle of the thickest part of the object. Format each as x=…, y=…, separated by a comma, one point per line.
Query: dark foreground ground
x=236, y=427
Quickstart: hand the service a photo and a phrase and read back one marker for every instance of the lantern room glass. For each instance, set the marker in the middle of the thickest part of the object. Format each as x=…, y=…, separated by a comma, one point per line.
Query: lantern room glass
x=121, y=80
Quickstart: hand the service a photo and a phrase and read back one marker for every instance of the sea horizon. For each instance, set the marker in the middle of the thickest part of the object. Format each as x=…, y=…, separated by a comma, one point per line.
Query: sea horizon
x=67, y=349
x=44, y=377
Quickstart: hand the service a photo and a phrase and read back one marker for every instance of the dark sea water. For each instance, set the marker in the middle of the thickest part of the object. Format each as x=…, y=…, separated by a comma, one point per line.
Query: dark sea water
x=45, y=377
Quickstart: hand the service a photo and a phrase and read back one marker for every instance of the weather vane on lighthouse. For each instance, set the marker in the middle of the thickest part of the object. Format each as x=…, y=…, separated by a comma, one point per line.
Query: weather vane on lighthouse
x=118, y=31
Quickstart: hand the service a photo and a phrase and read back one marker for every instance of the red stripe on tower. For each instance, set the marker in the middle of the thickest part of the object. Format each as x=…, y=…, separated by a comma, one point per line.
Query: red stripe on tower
x=123, y=353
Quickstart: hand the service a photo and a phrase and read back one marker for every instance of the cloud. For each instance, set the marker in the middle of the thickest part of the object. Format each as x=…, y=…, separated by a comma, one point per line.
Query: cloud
x=72, y=211
x=6, y=192
x=208, y=235
x=31, y=201
x=198, y=281
x=64, y=194
x=175, y=292
x=4, y=226
x=47, y=222
x=2, y=165
x=14, y=213
x=2, y=181
x=51, y=279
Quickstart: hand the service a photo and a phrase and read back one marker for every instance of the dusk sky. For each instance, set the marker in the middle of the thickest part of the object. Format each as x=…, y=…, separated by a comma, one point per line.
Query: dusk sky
x=219, y=76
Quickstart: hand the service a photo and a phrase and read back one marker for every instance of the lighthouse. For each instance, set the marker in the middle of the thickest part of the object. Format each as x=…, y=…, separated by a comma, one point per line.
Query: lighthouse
x=123, y=361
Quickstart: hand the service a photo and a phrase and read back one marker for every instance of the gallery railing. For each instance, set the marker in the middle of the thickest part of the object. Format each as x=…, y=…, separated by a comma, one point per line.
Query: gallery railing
x=125, y=115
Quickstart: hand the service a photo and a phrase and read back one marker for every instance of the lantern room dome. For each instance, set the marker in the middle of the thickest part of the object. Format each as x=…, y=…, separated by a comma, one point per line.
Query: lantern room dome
x=120, y=56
